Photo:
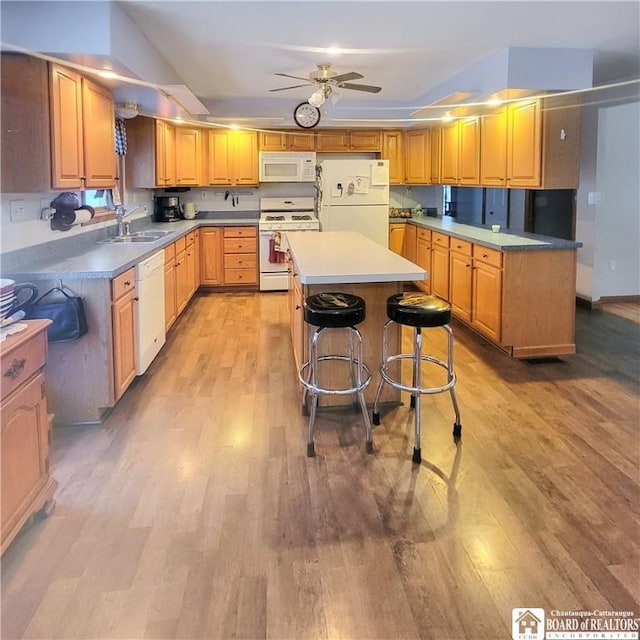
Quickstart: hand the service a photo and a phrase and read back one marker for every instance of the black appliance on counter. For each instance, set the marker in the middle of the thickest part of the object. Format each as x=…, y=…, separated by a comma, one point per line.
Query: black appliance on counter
x=167, y=209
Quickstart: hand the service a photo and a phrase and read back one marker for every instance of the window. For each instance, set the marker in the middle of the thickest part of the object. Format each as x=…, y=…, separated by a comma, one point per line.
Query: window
x=101, y=200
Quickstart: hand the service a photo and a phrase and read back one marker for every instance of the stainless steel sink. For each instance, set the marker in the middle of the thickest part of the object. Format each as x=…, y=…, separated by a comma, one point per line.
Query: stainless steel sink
x=137, y=237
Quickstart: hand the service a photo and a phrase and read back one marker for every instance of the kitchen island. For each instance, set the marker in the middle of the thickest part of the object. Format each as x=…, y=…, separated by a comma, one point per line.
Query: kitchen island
x=346, y=262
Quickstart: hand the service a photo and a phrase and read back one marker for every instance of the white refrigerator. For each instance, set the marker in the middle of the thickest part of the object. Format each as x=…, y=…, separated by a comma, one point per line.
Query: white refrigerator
x=354, y=196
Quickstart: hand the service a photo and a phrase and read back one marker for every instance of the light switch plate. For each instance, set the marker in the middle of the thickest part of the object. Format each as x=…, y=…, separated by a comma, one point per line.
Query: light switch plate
x=18, y=212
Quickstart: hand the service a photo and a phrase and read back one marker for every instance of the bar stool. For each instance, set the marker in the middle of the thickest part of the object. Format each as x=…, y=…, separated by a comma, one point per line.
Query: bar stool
x=418, y=310
x=334, y=311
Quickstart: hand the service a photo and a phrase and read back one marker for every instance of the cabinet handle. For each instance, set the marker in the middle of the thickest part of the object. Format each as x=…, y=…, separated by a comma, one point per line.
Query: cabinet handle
x=484, y=255
x=15, y=369
x=127, y=283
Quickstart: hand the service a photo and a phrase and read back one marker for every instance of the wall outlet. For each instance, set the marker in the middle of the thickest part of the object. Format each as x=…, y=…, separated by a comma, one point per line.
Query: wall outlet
x=203, y=195
x=17, y=211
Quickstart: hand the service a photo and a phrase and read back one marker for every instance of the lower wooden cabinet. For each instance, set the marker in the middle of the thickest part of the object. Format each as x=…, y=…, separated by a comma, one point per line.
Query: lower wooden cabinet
x=486, y=300
x=240, y=256
x=170, y=309
x=123, y=292
x=27, y=486
x=460, y=278
x=396, y=237
x=423, y=257
x=211, y=269
x=296, y=315
x=440, y=265
x=409, y=248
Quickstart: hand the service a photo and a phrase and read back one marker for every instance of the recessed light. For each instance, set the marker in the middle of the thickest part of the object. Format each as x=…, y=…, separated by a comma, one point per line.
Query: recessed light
x=107, y=73
x=333, y=51
x=447, y=117
x=178, y=120
x=234, y=126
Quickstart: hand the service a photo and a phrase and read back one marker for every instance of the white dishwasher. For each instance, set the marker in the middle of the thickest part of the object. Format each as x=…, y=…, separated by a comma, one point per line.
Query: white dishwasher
x=150, y=335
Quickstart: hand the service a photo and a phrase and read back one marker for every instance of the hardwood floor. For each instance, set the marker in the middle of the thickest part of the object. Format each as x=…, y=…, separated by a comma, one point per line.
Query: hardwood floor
x=195, y=513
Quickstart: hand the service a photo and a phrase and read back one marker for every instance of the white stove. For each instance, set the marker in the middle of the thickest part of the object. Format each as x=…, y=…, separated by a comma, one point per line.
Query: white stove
x=277, y=216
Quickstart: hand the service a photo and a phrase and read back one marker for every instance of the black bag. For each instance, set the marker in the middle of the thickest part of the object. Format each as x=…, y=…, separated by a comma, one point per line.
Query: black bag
x=67, y=313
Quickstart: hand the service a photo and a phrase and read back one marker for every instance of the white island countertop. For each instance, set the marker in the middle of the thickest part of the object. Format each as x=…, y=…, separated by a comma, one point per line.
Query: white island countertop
x=346, y=257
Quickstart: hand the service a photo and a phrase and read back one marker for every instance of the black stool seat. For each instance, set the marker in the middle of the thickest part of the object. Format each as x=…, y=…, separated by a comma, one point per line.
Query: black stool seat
x=418, y=310
x=334, y=310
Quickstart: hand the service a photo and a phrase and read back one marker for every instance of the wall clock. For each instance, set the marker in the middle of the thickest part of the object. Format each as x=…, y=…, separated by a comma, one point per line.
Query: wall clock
x=306, y=115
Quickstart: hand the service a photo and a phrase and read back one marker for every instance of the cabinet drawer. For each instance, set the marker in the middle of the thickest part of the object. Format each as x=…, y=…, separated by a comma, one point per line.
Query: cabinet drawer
x=489, y=256
x=170, y=253
x=240, y=232
x=239, y=245
x=180, y=244
x=424, y=235
x=461, y=246
x=240, y=261
x=22, y=362
x=240, y=276
x=191, y=238
x=440, y=239
x=123, y=283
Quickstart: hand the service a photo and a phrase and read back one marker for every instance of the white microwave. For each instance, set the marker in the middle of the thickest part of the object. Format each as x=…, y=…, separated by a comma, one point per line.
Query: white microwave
x=283, y=166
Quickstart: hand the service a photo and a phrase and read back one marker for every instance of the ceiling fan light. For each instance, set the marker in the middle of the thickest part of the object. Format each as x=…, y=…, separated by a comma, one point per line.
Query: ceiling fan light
x=317, y=98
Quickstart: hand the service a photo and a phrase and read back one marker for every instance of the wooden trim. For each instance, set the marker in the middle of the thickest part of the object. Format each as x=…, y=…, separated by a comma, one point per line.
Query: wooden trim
x=544, y=351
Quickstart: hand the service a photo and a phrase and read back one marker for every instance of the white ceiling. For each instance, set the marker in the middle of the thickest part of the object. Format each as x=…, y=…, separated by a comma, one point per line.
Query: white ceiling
x=227, y=53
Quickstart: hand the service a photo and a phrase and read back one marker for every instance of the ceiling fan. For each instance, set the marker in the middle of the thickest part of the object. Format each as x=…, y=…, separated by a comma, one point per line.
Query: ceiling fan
x=326, y=79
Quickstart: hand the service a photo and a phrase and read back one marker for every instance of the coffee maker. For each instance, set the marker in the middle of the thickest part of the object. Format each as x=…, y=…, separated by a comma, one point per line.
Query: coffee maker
x=167, y=209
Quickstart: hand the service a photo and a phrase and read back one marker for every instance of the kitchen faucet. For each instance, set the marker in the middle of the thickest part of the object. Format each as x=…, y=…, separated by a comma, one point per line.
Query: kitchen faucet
x=122, y=213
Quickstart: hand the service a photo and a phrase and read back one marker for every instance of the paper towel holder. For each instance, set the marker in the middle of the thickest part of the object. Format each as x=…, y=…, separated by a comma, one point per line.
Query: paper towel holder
x=64, y=215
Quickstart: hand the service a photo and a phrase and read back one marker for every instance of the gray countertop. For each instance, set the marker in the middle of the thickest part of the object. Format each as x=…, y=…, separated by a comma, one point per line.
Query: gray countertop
x=85, y=258
x=503, y=241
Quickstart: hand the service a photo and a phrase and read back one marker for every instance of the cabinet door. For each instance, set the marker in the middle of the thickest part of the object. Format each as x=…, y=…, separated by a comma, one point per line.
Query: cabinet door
x=416, y=157
x=301, y=141
x=436, y=159
x=98, y=134
x=392, y=151
x=487, y=300
x=170, y=308
x=493, y=148
x=66, y=129
x=469, y=151
x=219, y=169
x=524, y=148
x=332, y=140
x=165, y=154
x=364, y=140
x=423, y=259
x=188, y=156
x=296, y=311
x=449, y=157
x=190, y=261
x=124, y=345
x=396, y=237
x=182, y=282
x=245, y=157
x=409, y=249
x=460, y=279
x=273, y=141
x=211, y=263
x=440, y=271
x=24, y=451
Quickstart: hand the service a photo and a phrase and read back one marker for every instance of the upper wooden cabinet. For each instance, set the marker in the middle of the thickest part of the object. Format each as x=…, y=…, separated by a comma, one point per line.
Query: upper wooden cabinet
x=532, y=143
x=417, y=156
x=449, y=153
x=469, y=151
x=348, y=140
x=188, y=156
x=24, y=117
x=151, y=153
x=392, y=151
x=287, y=141
x=436, y=160
x=232, y=157
x=164, y=148
x=82, y=132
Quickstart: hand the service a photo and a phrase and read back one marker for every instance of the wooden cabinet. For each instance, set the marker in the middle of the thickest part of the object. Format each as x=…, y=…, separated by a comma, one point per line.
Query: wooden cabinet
x=182, y=275
x=469, y=151
x=287, y=141
x=532, y=143
x=296, y=315
x=396, y=237
x=188, y=154
x=191, y=259
x=240, y=256
x=417, y=156
x=232, y=157
x=82, y=132
x=170, y=309
x=348, y=140
x=486, y=302
x=27, y=486
x=440, y=265
x=436, y=159
x=423, y=257
x=151, y=153
x=211, y=257
x=24, y=117
x=392, y=151
x=449, y=153
x=409, y=248
x=123, y=293
x=460, y=278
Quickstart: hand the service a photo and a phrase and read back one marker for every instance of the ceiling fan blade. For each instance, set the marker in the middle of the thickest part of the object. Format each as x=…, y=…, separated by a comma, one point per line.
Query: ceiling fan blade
x=345, y=77
x=295, y=86
x=286, y=75
x=360, y=87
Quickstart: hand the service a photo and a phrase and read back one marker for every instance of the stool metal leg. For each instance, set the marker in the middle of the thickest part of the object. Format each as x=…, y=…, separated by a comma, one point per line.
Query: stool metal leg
x=376, y=410
x=359, y=375
x=457, y=425
x=417, y=361
x=313, y=378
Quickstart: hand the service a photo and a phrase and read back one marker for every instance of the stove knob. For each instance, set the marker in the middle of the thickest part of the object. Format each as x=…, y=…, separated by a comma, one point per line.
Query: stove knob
x=278, y=226
x=298, y=226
